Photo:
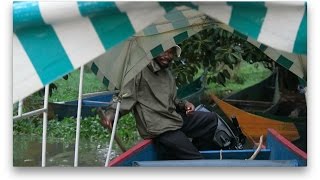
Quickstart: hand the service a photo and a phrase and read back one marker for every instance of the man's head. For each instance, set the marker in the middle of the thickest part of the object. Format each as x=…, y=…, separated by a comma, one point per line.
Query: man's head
x=165, y=58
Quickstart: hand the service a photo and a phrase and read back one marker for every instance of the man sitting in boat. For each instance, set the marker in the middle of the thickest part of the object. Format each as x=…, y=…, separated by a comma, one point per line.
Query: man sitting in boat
x=170, y=122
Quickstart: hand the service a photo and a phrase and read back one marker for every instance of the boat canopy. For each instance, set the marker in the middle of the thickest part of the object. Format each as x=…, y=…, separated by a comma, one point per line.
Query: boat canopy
x=52, y=39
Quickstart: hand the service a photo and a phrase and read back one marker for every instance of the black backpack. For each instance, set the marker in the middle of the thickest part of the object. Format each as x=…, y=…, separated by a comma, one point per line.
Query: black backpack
x=228, y=134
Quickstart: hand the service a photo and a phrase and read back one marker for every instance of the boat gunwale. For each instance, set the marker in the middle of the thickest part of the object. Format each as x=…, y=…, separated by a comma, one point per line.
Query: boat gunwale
x=134, y=150
x=286, y=143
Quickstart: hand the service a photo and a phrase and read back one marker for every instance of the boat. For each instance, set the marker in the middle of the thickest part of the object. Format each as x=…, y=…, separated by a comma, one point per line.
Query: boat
x=267, y=104
x=90, y=102
x=279, y=152
x=266, y=101
x=253, y=125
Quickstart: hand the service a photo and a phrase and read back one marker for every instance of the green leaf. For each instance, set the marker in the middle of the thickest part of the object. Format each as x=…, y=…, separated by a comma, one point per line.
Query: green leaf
x=218, y=56
x=231, y=59
x=221, y=79
x=229, y=35
x=219, y=49
x=226, y=73
x=237, y=48
x=220, y=33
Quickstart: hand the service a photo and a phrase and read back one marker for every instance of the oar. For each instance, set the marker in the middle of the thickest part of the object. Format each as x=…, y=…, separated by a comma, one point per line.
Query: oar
x=118, y=140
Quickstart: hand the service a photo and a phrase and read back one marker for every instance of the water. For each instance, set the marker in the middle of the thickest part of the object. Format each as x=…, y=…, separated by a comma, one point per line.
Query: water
x=27, y=152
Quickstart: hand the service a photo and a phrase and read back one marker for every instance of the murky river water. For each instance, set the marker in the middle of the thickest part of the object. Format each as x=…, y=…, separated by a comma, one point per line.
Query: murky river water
x=27, y=152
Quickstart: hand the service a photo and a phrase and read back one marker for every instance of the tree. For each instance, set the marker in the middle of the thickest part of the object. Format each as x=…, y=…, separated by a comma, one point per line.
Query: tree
x=217, y=52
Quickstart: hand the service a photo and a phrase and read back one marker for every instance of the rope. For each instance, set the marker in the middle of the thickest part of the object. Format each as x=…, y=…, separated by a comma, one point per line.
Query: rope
x=256, y=152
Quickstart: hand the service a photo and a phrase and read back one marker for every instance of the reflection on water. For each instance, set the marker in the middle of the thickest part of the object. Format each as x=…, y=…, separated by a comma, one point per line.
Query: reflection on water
x=27, y=152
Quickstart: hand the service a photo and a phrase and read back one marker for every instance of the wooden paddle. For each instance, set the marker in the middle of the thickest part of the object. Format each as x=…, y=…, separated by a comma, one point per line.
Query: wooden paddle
x=118, y=140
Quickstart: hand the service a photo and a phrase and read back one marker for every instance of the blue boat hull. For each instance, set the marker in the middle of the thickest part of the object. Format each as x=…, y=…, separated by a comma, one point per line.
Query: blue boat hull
x=279, y=152
x=89, y=106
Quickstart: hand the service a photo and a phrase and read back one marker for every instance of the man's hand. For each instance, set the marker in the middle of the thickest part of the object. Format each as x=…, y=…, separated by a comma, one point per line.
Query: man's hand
x=189, y=108
x=107, y=117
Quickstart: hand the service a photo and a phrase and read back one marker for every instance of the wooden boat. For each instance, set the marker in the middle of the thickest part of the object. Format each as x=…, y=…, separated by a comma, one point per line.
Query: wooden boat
x=89, y=104
x=253, y=125
x=262, y=97
x=278, y=152
x=191, y=92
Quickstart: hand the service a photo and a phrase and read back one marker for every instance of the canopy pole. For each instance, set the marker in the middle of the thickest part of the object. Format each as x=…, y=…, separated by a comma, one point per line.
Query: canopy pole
x=113, y=133
x=76, y=148
x=20, y=107
x=44, y=126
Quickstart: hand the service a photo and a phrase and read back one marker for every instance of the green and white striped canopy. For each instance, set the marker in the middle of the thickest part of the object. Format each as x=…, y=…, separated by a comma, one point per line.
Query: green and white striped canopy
x=52, y=39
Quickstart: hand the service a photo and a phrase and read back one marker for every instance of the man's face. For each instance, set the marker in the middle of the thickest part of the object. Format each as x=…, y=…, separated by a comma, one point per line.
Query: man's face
x=165, y=58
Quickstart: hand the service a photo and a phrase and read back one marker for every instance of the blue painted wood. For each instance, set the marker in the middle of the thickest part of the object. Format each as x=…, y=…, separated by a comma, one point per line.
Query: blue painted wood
x=218, y=163
x=264, y=154
x=101, y=98
x=146, y=154
x=281, y=152
x=89, y=105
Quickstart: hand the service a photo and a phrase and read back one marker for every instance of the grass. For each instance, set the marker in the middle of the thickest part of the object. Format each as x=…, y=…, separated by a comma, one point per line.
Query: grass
x=247, y=75
x=68, y=89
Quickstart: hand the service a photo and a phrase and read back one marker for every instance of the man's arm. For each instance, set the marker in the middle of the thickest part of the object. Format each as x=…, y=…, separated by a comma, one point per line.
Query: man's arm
x=180, y=104
x=184, y=105
x=127, y=102
x=129, y=99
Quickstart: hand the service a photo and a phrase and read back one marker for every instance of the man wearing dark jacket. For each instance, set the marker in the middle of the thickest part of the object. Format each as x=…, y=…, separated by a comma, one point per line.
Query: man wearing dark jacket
x=151, y=96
